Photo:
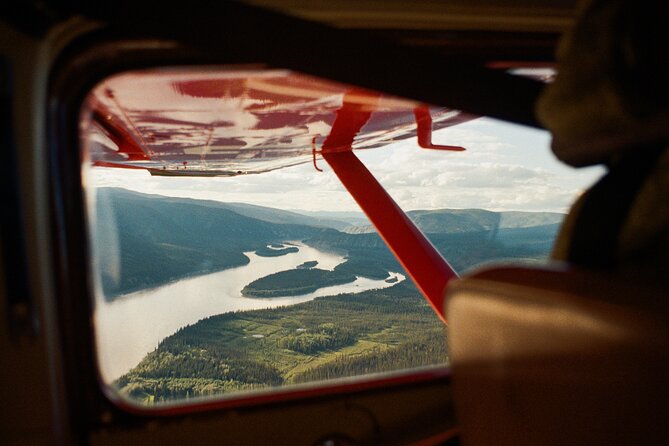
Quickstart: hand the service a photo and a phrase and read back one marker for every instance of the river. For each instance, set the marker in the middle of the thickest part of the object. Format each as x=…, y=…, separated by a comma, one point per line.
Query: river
x=131, y=326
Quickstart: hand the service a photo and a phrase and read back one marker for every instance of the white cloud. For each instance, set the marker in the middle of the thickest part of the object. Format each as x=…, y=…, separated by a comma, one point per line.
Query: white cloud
x=504, y=168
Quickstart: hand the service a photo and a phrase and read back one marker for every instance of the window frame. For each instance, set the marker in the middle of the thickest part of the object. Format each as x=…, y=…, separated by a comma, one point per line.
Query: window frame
x=118, y=48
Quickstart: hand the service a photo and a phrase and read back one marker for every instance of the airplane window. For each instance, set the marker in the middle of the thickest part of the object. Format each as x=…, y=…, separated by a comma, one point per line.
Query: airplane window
x=228, y=260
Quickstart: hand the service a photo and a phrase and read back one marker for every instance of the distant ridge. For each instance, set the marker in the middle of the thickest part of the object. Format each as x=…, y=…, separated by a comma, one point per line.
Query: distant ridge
x=147, y=240
x=270, y=215
x=286, y=217
x=351, y=218
x=450, y=221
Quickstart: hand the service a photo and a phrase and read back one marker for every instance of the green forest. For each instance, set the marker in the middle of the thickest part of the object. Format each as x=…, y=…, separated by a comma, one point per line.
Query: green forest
x=308, y=265
x=327, y=338
x=275, y=250
x=295, y=282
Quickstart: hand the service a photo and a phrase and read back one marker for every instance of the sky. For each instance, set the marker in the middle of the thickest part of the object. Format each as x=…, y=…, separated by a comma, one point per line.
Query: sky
x=506, y=167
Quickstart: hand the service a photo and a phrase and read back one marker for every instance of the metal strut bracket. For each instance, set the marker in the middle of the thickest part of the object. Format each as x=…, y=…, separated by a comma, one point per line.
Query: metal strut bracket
x=424, y=131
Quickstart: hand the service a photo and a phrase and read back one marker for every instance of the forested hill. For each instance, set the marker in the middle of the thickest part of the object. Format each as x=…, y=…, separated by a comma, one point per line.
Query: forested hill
x=450, y=221
x=272, y=215
x=327, y=338
x=463, y=250
x=148, y=240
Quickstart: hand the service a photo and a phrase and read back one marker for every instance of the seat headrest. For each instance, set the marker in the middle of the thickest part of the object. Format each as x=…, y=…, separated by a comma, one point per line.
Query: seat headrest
x=547, y=357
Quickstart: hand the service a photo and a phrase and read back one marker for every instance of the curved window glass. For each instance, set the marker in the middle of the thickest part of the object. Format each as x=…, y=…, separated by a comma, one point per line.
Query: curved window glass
x=229, y=260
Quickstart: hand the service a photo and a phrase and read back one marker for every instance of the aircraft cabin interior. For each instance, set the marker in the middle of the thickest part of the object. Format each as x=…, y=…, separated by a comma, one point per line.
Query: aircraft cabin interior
x=267, y=222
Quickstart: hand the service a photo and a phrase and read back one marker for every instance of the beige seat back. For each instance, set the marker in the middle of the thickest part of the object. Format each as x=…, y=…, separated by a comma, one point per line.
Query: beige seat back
x=549, y=357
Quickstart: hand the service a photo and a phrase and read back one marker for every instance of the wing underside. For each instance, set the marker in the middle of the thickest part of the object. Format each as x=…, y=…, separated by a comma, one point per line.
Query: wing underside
x=217, y=122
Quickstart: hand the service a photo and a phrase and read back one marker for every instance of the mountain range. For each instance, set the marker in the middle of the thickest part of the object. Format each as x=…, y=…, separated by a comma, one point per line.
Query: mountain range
x=443, y=221
x=144, y=240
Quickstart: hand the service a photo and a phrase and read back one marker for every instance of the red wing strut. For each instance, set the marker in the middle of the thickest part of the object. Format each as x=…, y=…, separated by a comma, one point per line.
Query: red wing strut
x=428, y=269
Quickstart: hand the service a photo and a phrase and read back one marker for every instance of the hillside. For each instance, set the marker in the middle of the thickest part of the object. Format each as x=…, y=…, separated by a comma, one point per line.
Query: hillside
x=449, y=221
x=267, y=214
x=463, y=250
x=348, y=218
x=327, y=338
x=279, y=216
x=149, y=240
x=146, y=240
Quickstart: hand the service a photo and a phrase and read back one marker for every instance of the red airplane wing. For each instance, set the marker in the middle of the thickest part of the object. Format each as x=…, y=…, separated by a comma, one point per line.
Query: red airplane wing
x=239, y=121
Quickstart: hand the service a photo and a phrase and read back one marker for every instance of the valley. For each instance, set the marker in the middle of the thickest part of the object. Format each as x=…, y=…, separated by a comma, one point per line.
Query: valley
x=340, y=306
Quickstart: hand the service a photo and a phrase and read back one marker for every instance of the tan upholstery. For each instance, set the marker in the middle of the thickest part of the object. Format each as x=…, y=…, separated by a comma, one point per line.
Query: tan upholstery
x=550, y=357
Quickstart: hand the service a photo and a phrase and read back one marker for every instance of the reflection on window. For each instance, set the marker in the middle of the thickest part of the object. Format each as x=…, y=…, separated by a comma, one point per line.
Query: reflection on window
x=210, y=282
